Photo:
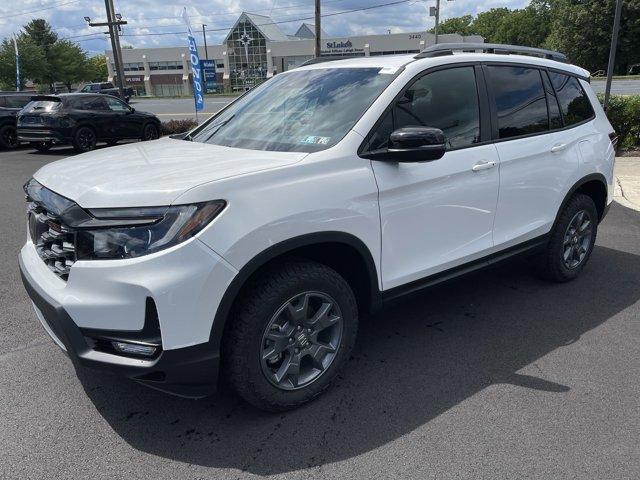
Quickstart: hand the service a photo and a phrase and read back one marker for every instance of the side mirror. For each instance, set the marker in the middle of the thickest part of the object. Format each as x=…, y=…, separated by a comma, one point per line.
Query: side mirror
x=131, y=110
x=412, y=144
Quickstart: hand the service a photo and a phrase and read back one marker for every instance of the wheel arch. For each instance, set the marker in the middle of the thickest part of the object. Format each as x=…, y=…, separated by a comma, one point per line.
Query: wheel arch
x=594, y=186
x=343, y=252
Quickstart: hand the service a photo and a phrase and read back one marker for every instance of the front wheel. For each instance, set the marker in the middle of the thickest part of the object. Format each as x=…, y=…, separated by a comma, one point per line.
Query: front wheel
x=8, y=137
x=291, y=332
x=150, y=132
x=572, y=240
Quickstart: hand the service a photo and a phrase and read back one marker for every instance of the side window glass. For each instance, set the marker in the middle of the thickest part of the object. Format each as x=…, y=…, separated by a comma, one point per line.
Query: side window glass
x=95, y=103
x=520, y=100
x=116, y=105
x=445, y=99
x=555, y=118
x=574, y=103
x=379, y=139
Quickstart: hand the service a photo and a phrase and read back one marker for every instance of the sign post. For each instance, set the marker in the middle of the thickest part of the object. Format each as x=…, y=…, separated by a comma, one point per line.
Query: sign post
x=196, y=71
x=15, y=44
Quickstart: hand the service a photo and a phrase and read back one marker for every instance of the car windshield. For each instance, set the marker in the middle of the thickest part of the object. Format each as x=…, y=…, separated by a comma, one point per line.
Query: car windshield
x=39, y=106
x=299, y=111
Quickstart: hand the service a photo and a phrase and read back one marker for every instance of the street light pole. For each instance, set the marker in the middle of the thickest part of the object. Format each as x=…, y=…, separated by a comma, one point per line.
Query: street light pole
x=318, y=29
x=612, y=53
x=204, y=35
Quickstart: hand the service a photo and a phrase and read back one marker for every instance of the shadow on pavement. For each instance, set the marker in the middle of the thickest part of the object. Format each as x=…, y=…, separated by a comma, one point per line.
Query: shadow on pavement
x=418, y=358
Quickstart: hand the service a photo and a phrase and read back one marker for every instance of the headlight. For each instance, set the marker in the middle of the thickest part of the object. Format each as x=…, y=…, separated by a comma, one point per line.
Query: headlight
x=133, y=232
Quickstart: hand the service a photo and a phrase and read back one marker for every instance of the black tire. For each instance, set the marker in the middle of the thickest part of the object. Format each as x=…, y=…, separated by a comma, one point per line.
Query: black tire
x=8, y=137
x=244, y=341
x=84, y=139
x=41, y=146
x=150, y=132
x=554, y=263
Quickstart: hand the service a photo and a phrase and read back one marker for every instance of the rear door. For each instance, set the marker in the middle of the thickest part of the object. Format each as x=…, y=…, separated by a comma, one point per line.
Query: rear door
x=95, y=111
x=537, y=159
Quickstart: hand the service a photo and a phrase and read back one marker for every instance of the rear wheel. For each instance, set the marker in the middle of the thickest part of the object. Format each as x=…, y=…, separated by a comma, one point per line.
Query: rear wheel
x=84, y=140
x=292, y=330
x=150, y=132
x=41, y=146
x=8, y=137
x=572, y=240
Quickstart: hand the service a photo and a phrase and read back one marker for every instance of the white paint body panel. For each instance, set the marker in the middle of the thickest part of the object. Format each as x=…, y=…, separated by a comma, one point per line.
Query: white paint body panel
x=415, y=219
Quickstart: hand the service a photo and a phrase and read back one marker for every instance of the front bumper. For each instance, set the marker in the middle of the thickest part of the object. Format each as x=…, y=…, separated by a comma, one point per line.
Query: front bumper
x=110, y=299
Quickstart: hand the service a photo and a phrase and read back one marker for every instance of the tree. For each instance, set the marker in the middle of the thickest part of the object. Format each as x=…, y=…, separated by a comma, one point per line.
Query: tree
x=31, y=62
x=459, y=25
x=486, y=23
x=40, y=33
x=529, y=26
x=96, y=68
x=68, y=63
x=583, y=30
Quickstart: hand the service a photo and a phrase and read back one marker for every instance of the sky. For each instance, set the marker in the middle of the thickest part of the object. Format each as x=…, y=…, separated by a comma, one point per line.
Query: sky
x=152, y=23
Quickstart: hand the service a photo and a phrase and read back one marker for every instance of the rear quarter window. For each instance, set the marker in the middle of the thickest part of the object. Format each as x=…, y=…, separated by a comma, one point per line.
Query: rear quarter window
x=573, y=100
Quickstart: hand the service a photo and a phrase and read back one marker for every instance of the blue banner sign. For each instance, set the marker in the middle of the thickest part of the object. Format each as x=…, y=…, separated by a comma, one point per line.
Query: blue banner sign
x=196, y=72
x=208, y=68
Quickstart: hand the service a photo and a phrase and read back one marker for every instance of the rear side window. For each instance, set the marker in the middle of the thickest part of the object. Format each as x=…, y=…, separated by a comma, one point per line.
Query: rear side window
x=444, y=99
x=555, y=119
x=574, y=103
x=40, y=106
x=520, y=100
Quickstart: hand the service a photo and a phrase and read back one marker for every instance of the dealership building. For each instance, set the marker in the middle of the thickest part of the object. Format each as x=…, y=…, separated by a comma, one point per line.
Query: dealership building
x=254, y=50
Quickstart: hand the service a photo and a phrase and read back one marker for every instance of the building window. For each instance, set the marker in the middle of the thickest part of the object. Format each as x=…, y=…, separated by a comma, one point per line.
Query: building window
x=247, y=50
x=174, y=65
x=133, y=67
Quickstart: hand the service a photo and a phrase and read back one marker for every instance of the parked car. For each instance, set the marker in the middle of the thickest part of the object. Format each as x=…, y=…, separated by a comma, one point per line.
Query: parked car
x=82, y=120
x=107, y=88
x=252, y=246
x=10, y=104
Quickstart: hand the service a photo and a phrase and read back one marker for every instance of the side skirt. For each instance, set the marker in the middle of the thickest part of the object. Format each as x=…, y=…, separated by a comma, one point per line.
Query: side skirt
x=528, y=247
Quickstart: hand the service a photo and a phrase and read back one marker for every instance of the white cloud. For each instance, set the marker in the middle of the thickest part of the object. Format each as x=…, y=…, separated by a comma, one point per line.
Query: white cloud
x=155, y=16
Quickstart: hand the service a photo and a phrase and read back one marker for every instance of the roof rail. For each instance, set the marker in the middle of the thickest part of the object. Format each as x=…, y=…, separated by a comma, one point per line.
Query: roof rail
x=328, y=58
x=441, y=49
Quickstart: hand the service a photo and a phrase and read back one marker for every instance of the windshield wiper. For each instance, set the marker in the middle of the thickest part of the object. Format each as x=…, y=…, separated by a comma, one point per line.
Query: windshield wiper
x=217, y=127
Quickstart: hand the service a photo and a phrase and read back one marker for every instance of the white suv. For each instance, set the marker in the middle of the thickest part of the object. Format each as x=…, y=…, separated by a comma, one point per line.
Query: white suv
x=251, y=246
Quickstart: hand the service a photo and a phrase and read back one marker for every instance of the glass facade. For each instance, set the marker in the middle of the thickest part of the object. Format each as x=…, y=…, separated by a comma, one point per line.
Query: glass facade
x=247, y=50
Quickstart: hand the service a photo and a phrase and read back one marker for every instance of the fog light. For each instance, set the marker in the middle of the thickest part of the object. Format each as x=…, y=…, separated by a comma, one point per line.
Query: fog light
x=135, y=348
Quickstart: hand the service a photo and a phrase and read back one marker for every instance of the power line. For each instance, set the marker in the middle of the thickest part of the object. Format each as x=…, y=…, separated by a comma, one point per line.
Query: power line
x=41, y=9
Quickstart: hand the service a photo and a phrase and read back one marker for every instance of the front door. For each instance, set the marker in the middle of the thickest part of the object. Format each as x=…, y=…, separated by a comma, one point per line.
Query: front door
x=125, y=123
x=439, y=214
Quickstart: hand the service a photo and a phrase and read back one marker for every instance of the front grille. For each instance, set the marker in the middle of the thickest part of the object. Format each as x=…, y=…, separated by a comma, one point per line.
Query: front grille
x=54, y=241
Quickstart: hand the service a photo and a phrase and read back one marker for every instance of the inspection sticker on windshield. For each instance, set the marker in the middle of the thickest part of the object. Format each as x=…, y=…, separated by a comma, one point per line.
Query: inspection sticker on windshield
x=313, y=140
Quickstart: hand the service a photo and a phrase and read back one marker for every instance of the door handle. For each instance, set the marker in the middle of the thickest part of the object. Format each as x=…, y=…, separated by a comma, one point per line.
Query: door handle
x=483, y=166
x=559, y=147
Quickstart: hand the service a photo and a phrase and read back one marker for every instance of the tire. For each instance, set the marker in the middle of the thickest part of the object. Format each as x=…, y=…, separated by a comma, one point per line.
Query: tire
x=41, y=146
x=268, y=331
x=84, y=139
x=150, y=132
x=8, y=137
x=571, y=242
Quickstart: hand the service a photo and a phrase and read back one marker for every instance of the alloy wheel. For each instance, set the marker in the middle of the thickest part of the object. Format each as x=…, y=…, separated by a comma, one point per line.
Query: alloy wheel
x=10, y=138
x=577, y=239
x=86, y=139
x=301, y=340
x=150, y=132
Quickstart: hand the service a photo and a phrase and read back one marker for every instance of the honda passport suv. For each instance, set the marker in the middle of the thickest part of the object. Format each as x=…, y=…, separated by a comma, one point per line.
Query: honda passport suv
x=250, y=247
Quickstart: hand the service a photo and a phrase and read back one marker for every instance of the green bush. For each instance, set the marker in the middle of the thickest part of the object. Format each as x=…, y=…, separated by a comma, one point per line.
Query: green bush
x=624, y=115
x=178, y=126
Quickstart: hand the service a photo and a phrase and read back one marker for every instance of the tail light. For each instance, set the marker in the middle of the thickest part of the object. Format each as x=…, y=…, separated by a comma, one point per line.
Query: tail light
x=613, y=136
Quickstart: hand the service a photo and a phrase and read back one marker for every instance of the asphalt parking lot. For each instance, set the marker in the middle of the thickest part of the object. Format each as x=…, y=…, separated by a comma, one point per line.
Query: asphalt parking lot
x=494, y=376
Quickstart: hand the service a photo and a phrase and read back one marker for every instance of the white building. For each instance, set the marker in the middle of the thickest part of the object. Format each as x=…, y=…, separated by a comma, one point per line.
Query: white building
x=256, y=49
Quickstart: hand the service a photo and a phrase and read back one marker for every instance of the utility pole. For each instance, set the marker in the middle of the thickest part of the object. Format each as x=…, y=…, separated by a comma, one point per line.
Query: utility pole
x=318, y=29
x=435, y=30
x=204, y=35
x=612, y=53
x=114, y=25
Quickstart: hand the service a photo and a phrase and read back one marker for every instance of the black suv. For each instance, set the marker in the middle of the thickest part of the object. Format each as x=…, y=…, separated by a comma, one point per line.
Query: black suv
x=10, y=104
x=82, y=120
x=107, y=88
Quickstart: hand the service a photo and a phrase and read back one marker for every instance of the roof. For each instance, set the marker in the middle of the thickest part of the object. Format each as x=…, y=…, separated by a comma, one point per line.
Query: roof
x=264, y=24
x=308, y=30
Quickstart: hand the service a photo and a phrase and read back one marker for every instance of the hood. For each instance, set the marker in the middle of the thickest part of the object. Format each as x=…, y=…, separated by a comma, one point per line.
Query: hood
x=151, y=173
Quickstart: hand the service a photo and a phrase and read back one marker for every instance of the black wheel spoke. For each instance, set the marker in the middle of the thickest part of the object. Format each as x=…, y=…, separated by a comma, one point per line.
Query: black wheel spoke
x=577, y=239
